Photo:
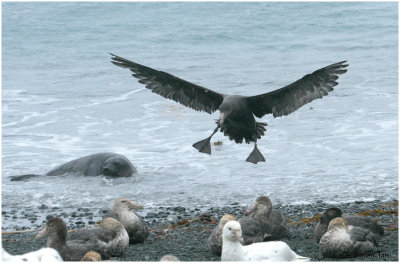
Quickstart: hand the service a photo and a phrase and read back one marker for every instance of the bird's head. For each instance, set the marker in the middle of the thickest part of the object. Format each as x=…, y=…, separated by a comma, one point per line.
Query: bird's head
x=232, y=232
x=54, y=227
x=330, y=214
x=262, y=207
x=226, y=218
x=225, y=109
x=110, y=224
x=338, y=222
x=124, y=204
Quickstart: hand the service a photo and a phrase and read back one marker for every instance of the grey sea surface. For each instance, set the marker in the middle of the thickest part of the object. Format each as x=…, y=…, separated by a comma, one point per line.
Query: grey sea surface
x=63, y=99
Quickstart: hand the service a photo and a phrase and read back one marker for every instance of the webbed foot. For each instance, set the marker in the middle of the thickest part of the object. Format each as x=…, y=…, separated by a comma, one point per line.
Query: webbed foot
x=204, y=146
x=255, y=156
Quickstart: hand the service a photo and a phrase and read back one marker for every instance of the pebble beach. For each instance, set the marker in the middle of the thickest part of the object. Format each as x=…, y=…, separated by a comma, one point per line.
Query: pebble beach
x=183, y=231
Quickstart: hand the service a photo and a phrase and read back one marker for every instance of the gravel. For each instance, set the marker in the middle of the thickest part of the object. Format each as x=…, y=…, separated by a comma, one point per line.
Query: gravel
x=183, y=231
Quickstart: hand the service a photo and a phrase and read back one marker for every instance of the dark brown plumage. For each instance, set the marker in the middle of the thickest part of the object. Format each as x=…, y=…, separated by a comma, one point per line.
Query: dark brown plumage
x=237, y=112
x=71, y=250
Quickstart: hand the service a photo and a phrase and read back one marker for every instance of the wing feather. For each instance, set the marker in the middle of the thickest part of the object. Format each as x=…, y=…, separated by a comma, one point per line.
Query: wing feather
x=286, y=100
x=171, y=87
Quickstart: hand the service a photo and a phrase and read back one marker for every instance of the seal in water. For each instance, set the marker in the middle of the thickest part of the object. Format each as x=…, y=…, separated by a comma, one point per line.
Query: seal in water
x=109, y=164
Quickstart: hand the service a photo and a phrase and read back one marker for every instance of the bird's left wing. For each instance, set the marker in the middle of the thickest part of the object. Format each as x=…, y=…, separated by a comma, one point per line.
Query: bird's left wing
x=362, y=234
x=171, y=87
x=286, y=100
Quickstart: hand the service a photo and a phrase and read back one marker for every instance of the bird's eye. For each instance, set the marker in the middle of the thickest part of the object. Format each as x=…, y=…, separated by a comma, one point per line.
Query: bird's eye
x=123, y=201
x=229, y=228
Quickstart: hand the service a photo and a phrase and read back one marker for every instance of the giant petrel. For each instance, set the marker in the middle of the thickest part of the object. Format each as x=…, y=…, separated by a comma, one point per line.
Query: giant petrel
x=237, y=112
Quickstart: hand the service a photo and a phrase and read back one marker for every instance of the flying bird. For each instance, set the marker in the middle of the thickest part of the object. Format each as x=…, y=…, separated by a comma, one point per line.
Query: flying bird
x=237, y=112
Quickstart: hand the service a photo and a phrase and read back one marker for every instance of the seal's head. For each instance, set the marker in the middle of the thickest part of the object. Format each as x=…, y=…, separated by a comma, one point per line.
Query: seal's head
x=118, y=166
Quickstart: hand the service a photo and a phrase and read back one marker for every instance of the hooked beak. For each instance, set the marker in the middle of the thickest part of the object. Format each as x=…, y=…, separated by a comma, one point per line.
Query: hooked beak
x=239, y=237
x=134, y=205
x=222, y=118
x=42, y=233
x=250, y=209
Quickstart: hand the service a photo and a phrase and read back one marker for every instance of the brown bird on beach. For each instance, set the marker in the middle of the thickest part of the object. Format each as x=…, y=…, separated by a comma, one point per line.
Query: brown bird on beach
x=237, y=112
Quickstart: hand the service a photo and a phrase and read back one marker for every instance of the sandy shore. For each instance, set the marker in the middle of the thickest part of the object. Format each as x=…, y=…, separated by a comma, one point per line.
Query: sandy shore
x=183, y=232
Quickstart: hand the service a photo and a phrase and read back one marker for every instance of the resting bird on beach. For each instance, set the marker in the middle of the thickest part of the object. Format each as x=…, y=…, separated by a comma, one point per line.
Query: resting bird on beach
x=215, y=239
x=110, y=232
x=133, y=223
x=343, y=241
x=71, y=250
x=359, y=221
x=263, y=223
x=233, y=250
x=42, y=255
x=237, y=112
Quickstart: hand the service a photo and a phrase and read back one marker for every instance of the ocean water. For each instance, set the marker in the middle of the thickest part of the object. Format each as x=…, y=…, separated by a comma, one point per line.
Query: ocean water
x=63, y=99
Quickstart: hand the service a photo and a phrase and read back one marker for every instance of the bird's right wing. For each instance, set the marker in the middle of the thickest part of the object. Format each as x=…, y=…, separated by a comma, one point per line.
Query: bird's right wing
x=171, y=87
x=286, y=100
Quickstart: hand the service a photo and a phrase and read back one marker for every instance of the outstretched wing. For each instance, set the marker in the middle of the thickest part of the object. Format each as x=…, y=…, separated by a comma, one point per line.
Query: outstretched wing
x=171, y=87
x=286, y=100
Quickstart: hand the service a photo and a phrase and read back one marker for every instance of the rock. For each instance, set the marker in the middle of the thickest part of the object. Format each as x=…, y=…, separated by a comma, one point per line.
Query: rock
x=43, y=206
x=179, y=209
x=172, y=218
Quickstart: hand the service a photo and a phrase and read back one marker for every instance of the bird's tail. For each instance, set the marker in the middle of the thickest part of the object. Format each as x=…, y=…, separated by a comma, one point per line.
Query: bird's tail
x=260, y=129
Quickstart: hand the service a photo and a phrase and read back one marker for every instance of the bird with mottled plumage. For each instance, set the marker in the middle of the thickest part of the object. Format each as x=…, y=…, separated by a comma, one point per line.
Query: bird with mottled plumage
x=134, y=224
x=353, y=220
x=215, y=239
x=344, y=241
x=110, y=232
x=263, y=223
x=237, y=112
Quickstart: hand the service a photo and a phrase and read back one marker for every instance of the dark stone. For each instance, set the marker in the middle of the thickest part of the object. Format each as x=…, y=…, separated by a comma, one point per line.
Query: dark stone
x=179, y=209
x=151, y=215
x=43, y=206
